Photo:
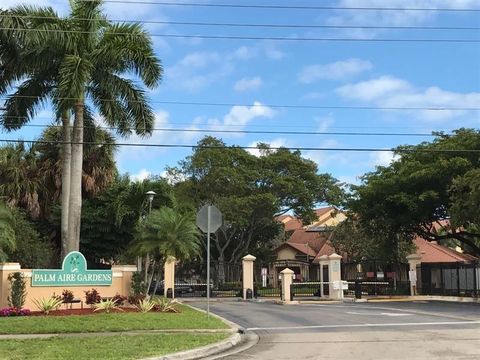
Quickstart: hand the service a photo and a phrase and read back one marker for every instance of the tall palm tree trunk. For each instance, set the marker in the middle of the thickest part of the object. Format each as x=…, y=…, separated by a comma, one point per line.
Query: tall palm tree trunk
x=66, y=174
x=75, y=204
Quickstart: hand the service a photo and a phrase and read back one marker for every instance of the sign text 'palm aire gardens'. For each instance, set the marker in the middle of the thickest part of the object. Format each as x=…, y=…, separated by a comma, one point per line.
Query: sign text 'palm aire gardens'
x=74, y=272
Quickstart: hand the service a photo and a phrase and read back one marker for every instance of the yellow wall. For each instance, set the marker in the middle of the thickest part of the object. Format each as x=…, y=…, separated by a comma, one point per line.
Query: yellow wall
x=286, y=254
x=122, y=276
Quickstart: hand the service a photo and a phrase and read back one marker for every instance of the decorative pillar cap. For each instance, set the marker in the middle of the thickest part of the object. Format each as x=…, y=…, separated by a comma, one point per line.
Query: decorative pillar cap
x=287, y=271
x=414, y=257
x=249, y=258
x=334, y=256
x=323, y=257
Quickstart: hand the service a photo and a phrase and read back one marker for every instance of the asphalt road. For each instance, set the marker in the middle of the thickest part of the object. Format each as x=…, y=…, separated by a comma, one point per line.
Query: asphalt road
x=390, y=330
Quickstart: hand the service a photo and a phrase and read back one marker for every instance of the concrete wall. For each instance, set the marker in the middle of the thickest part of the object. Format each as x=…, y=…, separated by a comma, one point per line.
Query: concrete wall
x=122, y=276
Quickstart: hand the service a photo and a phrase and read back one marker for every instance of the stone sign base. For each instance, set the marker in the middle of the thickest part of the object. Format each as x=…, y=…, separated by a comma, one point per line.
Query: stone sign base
x=121, y=279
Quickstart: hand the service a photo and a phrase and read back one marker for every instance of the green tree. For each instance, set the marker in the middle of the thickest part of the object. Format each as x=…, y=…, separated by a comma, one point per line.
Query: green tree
x=427, y=191
x=7, y=232
x=32, y=250
x=167, y=233
x=109, y=219
x=250, y=191
x=85, y=56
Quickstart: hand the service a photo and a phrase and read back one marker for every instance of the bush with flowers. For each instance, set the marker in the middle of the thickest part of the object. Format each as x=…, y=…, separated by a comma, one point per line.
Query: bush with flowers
x=13, y=311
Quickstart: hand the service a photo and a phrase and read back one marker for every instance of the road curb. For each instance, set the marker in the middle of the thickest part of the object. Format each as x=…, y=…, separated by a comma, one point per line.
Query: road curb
x=202, y=352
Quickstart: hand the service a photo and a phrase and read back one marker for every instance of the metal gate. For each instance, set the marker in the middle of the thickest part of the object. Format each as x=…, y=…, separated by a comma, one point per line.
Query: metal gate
x=225, y=280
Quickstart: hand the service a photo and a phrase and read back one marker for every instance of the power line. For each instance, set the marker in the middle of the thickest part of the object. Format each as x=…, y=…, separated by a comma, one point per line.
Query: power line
x=290, y=7
x=286, y=106
x=269, y=38
x=399, y=150
x=271, y=132
x=260, y=25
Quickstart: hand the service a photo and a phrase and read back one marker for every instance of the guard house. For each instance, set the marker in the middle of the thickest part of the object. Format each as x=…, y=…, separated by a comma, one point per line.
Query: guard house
x=305, y=243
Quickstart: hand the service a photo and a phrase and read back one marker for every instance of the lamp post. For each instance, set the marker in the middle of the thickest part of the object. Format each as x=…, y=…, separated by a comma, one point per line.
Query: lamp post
x=150, y=195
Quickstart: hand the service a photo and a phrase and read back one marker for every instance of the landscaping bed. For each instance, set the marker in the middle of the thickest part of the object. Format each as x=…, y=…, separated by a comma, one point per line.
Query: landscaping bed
x=84, y=322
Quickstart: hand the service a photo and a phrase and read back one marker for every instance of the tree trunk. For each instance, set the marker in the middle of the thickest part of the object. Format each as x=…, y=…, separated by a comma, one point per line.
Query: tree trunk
x=66, y=173
x=75, y=205
x=221, y=268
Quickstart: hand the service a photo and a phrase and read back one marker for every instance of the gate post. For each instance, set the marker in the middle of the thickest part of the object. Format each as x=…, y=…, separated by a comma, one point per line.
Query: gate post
x=287, y=279
x=247, y=264
x=323, y=261
x=413, y=261
x=169, y=277
x=335, y=275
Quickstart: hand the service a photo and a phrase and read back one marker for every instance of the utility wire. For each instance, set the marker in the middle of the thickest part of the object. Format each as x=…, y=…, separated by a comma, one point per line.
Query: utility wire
x=340, y=133
x=286, y=106
x=398, y=150
x=270, y=38
x=290, y=7
x=260, y=25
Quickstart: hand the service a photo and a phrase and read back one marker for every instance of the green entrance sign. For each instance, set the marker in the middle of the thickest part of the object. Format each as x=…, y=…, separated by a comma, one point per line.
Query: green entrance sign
x=74, y=273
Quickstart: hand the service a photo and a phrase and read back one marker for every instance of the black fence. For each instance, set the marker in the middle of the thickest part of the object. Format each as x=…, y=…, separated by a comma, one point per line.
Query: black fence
x=267, y=292
x=307, y=289
x=359, y=288
x=449, y=279
x=225, y=279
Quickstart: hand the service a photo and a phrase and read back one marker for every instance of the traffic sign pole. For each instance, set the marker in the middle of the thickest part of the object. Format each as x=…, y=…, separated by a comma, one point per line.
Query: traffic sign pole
x=208, y=260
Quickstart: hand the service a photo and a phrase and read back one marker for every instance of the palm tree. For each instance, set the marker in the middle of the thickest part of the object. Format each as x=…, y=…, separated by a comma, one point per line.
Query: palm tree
x=20, y=183
x=7, y=232
x=167, y=233
x=75, y=61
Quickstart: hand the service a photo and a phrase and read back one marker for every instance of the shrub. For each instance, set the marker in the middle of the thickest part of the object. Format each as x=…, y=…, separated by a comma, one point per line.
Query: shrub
x=145, y=305
x=107, y=305
x=18, y=290
x=67, y=296
x=11, y=311
x=119, y=299
x=92, y=297
x=46, y=305
x=137, y=284
x=135, y=299
x=163, y=304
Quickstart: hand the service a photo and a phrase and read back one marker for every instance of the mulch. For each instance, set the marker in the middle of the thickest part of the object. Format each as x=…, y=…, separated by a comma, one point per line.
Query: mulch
x=84, y=311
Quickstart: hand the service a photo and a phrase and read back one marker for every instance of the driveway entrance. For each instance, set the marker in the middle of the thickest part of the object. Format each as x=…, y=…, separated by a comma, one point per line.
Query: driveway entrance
x=390, y=330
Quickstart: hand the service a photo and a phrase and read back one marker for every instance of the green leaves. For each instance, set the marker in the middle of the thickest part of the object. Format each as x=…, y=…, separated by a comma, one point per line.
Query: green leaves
x=167, y=232
x=7, y=232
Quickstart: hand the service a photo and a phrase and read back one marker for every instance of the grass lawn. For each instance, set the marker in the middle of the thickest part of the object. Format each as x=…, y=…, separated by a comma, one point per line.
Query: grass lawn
x=115, y=347
x=186, y=319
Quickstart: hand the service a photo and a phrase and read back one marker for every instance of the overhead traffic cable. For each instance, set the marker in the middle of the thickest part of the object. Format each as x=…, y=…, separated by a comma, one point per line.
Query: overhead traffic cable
x=269, y=38
x=269, y=25
x=289, y=106
x=195, y=146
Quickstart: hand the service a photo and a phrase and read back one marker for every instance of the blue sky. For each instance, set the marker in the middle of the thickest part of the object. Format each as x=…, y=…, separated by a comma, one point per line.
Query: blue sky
x=378, y=74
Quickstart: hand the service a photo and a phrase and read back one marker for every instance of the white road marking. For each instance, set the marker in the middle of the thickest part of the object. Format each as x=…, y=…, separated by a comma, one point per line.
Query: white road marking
x=364, y=325
x=376, y=313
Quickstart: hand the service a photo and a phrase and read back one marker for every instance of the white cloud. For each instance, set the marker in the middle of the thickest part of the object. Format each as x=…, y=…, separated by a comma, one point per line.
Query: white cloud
x=275, y=143
x=324, y=122
x=391, y=18
x=198, y=70
x=240, y=116
x=388, y=91
x=334, y=71
x=247, y=84
x=382, y=158
x=141, y=175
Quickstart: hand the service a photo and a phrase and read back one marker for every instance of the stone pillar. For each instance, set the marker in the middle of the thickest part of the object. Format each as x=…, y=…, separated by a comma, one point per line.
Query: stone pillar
x=335, y=274
x=5, y=270
x=169, y=277
x=323, y=261
x=287, y=279
x=413, y=261
x=247, y=264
